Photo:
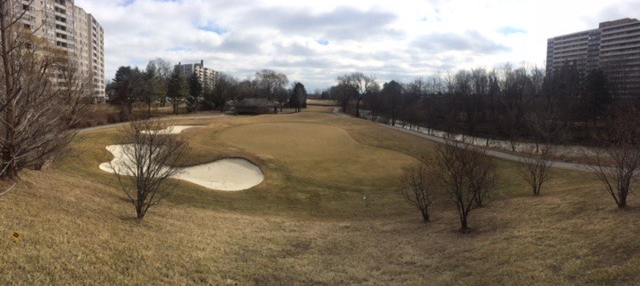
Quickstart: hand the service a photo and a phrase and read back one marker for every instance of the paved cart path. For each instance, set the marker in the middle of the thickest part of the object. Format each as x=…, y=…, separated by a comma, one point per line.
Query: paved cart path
x=490, y=152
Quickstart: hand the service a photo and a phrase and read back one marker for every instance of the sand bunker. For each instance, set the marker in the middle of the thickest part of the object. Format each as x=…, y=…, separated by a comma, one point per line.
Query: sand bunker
x=172, y=129
x=223, y=175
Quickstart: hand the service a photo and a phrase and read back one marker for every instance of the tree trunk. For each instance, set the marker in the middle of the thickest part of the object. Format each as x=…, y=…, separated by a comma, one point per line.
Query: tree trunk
x=8, y=152
x=465, y=227
x=140, y=214
x=622, y=202
x=425, y=216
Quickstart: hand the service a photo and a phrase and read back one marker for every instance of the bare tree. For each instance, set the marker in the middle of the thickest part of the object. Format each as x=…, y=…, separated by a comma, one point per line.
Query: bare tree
x=546, y=128
x=343, y=92
x=535, y=167
x=617, y=157
x=40, y=96
x=163, y=70
x=466, y=175
x=363, y=85
x=150, y=159
x=418, y=187
x=482, y=177
x=74, y=91
x=155, y=78
x=270, y=83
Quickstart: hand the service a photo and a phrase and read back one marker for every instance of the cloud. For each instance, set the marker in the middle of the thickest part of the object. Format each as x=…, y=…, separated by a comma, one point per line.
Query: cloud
x=315, y=41
x=613, y=11
x=240, y=44
x=469, y=41
x=343, y=23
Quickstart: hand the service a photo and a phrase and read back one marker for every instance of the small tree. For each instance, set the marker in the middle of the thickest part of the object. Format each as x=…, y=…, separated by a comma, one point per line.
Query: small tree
x=150, y=158
x=155, y=85
x=178, y=88
x=535, y=167
x=618, y=156
x=361, y=85
x=466, y=175
x=418, y=187
x=482, y=177
x=224, y=90
x=128, y=84
x=163, y=70
x=270, y=83
x=195, y=90
x=298, y=96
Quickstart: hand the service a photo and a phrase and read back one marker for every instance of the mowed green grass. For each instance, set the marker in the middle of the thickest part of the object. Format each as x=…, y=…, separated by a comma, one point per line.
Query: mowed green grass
x=320, y=153
x=298, y=228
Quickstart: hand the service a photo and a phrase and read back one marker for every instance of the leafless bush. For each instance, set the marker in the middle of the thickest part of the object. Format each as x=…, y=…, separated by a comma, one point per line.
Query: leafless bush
x=618, y=156
x=40, y=96
x=151, y=158
x=535, y=167
x=466, y=175
x=418, y=187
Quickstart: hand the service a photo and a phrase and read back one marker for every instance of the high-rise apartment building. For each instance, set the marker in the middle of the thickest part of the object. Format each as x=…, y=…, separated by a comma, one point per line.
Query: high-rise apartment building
x=207, y=76
x=614, y=46
x=71, y=29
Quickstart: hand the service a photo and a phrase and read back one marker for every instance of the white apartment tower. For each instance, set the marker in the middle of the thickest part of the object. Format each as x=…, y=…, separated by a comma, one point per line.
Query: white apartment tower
x=614, y=46
x=71, y=29
x=207, y=76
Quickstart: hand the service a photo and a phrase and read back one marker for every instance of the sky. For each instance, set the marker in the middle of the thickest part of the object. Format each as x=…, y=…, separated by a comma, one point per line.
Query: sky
x=315, y=41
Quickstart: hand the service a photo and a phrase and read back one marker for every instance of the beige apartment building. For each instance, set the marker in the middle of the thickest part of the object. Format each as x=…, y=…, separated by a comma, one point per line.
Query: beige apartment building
x=614, y=46
x=207, y=76
x=73, y=30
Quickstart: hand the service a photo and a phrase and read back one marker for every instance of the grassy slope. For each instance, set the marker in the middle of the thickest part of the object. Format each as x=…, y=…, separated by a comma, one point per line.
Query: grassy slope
x=76, y=228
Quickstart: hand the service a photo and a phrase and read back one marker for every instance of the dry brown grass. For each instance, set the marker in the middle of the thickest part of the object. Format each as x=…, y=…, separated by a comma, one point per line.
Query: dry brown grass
x=103, y=114
x=76, y=227
x=320, y=102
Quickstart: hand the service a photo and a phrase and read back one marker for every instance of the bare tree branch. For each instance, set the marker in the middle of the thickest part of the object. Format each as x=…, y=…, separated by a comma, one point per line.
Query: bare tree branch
x=151, y=158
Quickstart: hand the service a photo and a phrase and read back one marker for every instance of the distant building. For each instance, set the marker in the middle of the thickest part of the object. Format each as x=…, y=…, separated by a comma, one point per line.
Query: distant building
x=614, y=46
x=71, y=29
x=207, y=76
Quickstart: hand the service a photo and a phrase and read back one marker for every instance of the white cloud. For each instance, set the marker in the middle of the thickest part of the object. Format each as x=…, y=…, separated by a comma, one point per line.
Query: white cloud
x=315, y=42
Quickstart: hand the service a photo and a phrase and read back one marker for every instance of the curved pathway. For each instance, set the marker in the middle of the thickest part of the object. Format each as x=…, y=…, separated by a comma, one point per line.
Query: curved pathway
x=492, y=153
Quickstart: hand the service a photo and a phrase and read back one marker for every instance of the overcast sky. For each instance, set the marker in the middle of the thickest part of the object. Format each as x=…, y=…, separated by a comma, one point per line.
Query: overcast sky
x=315, y=41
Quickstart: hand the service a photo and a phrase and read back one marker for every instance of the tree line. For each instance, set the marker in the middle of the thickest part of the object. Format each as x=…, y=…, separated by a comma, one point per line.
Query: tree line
x=594, y=108
x=163, y=83
x=507, y=103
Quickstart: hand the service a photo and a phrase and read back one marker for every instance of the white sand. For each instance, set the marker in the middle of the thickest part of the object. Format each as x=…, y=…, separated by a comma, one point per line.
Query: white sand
x=223, y=175
x=172, y=129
